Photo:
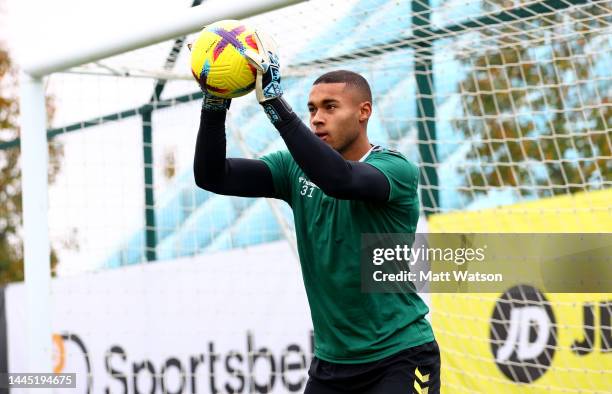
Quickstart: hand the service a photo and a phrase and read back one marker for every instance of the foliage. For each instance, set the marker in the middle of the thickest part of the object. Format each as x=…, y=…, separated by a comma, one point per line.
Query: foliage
x=537, y=105
x=11, y=253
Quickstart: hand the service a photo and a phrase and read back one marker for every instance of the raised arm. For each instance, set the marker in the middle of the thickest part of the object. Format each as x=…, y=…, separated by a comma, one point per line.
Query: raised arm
x=214, y=172
x=324, y=166
x=337, y=177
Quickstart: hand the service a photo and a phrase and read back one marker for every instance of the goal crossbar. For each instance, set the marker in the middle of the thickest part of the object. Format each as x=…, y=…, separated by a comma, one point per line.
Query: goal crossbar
x=149, y=32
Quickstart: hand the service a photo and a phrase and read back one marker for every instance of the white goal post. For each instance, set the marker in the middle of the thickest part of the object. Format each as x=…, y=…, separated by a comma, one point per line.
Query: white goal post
x=34, y=155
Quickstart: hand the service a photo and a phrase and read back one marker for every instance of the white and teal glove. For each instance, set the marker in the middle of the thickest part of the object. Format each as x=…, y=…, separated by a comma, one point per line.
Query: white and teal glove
x=267, y=83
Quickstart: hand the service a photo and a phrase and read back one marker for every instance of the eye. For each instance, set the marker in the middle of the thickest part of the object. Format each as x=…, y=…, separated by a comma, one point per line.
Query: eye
x=311, y=109
x=331, y=106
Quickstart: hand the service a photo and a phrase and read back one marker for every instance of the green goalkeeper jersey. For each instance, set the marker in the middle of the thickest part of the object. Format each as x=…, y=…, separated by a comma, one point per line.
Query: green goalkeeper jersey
x=351, y=326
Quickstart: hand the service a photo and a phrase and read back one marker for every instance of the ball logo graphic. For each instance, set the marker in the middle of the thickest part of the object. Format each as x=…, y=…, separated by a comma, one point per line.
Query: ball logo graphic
x=523, y=334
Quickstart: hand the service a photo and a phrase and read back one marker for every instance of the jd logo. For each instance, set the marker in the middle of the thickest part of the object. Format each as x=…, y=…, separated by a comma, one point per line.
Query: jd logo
x=523, y=334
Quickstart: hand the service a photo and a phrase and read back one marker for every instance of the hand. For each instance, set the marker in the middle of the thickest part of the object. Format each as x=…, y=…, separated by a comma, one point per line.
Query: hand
x=214, y=103
x=211, y=102
x=267, y=83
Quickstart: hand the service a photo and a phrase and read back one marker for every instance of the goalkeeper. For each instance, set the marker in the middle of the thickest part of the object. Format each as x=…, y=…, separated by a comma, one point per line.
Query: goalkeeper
x=339, y=186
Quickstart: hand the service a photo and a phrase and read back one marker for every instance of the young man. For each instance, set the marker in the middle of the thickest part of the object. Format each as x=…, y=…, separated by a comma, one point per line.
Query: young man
x=339, y=187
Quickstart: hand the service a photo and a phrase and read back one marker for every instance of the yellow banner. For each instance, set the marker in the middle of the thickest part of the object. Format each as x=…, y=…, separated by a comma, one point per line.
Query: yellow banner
x=522, y=340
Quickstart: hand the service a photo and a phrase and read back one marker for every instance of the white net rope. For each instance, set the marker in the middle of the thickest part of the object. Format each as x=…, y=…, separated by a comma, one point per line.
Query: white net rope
x=522, y=109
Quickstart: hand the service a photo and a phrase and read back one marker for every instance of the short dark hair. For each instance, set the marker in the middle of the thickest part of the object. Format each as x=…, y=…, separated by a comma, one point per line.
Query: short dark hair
x=350, y=78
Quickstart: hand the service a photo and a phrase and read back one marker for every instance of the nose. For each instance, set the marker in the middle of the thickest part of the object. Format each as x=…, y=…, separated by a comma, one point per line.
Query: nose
x=316, y=119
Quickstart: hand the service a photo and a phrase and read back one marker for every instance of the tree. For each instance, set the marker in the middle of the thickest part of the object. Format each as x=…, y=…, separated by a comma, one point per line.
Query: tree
x=11, y=254
x=536, y=105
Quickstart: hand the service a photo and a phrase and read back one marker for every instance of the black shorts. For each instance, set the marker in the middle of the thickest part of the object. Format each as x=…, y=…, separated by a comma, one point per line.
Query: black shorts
x=414, y=370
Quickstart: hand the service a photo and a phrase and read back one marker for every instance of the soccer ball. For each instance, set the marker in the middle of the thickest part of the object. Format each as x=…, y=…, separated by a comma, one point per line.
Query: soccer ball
x=218, y=62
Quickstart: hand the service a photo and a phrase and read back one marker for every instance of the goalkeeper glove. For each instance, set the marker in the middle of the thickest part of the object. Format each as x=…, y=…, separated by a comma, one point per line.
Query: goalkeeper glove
x=214, y=103
x=267, y=83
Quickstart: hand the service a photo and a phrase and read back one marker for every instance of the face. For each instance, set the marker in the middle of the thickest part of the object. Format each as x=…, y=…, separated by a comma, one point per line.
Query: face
x=337, y=115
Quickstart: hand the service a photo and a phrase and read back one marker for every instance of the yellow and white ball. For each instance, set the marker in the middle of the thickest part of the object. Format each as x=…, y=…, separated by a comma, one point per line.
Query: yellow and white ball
x=218, y=62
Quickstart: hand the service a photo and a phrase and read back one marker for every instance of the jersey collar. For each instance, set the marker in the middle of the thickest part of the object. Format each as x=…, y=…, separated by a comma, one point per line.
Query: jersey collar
x=367, y=153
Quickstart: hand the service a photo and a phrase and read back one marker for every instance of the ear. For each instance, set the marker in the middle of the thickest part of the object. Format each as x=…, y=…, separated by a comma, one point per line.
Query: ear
x=365, y=111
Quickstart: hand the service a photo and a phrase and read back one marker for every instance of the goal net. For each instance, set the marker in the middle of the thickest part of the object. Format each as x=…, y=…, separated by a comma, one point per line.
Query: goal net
x=506, y=106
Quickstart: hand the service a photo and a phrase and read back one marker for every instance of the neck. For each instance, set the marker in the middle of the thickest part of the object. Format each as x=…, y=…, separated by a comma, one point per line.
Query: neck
x=357, y=149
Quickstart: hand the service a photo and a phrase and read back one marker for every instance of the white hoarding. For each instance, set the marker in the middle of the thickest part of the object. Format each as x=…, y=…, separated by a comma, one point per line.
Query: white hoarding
x=234, y=321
